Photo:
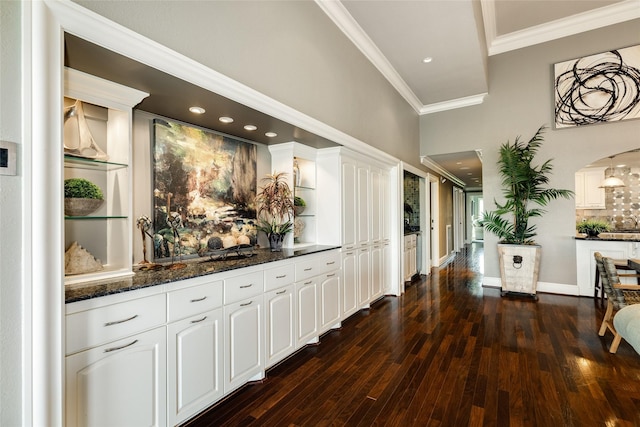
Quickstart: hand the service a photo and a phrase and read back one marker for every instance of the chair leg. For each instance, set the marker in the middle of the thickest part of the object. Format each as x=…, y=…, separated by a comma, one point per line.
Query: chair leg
x=615, y=343
x=606, y=320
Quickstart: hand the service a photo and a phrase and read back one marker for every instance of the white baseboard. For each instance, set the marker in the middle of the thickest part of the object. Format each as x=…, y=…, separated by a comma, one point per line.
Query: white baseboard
x=546, y=287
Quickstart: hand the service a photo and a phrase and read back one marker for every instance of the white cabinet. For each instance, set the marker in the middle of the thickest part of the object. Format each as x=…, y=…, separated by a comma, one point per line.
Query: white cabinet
x=377, y=274
x=410, y=256
x=243, y=359
x=195, y=357
x=364, y=208
x=364, y=277
x=589, y=195
x=349, y=283
x=280, y=312
x=244, y=329
x=386, y=267
x=585, y=260
x=99, y=112
x=349, y=203
x=307, y=312
x=329, y=300
x=122, y=383
x=377, y=209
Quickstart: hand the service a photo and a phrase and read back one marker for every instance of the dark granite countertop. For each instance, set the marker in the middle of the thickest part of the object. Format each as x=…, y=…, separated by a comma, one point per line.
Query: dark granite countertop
x=194, y=268
x=612, y=237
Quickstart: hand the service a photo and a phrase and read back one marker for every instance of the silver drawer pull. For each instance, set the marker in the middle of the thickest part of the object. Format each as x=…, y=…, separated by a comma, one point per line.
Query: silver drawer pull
x=281, y=292
x=121, y=347
x=246, y=304
x=199, y=299
x=246, y=286
x=308, y=269
x=309, y=282
x=331, y=275
x=115, y=322
x=281, y=277
x=199, y=320
x=349, y=253
x=332, y=262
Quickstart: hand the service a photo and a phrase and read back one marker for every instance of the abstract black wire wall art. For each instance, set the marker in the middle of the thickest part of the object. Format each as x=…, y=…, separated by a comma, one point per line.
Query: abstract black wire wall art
x=598, y=88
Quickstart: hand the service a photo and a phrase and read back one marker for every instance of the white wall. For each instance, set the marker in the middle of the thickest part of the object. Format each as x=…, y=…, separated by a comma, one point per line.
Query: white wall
x=290, y=51
x=10, y=220
x=520, y=100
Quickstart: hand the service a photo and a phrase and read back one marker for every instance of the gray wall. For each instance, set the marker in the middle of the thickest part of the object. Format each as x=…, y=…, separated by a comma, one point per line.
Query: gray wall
x=520, y=100
x=10, y=220
x=290, y=51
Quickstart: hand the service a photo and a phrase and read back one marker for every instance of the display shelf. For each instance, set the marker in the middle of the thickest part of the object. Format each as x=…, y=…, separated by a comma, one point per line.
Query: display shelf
x=91, y=164
x=90, y=217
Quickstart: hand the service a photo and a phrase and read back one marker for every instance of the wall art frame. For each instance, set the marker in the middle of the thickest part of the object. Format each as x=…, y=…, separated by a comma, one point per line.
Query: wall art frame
x=599, y=88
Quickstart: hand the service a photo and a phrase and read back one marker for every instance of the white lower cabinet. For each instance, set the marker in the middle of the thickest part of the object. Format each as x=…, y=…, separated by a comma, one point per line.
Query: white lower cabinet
x=195, y=364
x=349, y=283
x=307, y=312
x=122, y=383
x=364, y=277
x=329, y=300
x=243, y=359
x=377, y=274
x=280, y=312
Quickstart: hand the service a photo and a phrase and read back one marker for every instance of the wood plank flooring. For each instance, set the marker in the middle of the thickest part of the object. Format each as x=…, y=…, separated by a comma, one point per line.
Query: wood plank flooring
x=450, y=353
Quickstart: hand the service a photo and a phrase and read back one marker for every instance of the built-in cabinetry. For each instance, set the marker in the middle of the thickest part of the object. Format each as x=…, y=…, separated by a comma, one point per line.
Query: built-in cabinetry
x=100, y=112
x=410, y=256
x=589, y=194
x=585, y=260
x=365, y=229
x=158, y=356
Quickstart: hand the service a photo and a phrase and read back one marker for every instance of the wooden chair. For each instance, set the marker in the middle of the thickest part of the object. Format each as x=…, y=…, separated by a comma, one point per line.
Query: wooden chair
x=618, y=295
x=598, y=290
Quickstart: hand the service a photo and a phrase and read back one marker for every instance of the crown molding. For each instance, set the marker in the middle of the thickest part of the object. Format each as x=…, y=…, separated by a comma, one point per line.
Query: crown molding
x=341, y=17
x=453, y=104
x=579, y=23
x=426, y=160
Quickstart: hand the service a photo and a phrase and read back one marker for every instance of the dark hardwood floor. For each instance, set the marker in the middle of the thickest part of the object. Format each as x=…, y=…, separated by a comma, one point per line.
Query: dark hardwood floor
x=450, y=353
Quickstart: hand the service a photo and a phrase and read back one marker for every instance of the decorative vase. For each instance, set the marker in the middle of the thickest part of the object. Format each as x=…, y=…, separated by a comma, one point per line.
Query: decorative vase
x=519, y=267
x=297, y=210
x=275, y=242
x=80, y=206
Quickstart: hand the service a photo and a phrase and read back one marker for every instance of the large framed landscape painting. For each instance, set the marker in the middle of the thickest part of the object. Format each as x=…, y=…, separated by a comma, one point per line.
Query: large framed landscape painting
x=204, y=188
x=599, y=88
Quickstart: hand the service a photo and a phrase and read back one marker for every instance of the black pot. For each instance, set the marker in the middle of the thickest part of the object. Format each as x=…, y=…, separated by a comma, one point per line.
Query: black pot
x=275, y=241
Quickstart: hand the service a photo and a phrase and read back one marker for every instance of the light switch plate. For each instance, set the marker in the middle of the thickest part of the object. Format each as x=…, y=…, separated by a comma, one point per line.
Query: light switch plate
x=8, y=157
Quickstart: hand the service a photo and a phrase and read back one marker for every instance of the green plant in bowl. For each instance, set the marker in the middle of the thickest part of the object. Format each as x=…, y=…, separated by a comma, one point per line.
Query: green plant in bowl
x=299, y=205
x=81, y=197
x=593, y=227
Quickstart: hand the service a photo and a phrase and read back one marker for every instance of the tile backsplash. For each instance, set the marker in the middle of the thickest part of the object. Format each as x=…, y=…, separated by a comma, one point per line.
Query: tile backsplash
x=412, y=199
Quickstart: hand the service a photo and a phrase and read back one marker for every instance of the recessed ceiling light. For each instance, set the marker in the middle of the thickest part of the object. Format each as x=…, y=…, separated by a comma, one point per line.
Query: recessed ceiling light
x=197, y=110
x=271, y=134
x=464, y=168
x=250, y=127
x=225, y=119
x=427, y=60
x=469, y=173
x=620, y=166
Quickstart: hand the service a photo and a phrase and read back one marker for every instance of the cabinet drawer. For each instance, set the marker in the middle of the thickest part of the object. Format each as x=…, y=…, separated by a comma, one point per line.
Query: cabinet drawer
x=98, y=326
x=194, y=300
x=275, y=278
x=317, y=265
x=240, y=287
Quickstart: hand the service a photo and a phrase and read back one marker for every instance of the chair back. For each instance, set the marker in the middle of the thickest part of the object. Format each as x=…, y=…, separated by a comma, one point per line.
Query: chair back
x=616, y=296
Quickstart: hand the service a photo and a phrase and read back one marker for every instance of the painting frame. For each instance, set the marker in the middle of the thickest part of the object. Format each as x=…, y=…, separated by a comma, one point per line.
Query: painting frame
x=204, y=185
x=599, y=88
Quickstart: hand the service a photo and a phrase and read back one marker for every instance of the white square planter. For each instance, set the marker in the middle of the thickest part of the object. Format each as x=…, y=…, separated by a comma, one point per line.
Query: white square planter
x=519, y=267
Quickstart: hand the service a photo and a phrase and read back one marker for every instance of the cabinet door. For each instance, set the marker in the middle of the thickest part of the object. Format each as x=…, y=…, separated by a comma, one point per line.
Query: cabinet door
x=579, y=193
x=376, y=272
x=377, y=212
x=195, y=364
x=330, y=301
x=307, y=312
x=243, y=342
x=364, y=277
x=594, y=196
x=280, y=324
x=349, y=205
x=363, y=196
x=386, y=268
x=349, y=283
x=119, y=384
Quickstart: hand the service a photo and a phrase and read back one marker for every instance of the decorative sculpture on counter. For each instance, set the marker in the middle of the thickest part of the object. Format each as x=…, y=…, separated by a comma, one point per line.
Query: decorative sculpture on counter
x=175, y=221
x=85, y=146
x=144, y=225
x=77, y=260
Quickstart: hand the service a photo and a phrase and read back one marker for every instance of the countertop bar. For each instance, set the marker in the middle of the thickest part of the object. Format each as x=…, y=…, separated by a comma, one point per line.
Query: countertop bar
x=194, y=268
x=612, y=237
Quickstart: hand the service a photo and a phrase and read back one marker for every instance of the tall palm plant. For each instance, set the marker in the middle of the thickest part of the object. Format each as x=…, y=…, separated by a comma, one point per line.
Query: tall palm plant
x=523, y=185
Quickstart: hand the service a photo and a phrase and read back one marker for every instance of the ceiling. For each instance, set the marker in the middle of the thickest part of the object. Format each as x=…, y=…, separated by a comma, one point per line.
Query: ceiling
x=396, y=36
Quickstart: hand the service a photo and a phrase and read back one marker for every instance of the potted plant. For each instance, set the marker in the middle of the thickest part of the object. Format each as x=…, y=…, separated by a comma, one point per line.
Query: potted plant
x=299, y=205
x=525, y=192
x=81, y=197
x=593, y=227
x=275, y=209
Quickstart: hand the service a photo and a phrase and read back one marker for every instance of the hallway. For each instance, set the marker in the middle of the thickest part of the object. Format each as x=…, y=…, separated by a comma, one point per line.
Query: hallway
x=450, y=353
